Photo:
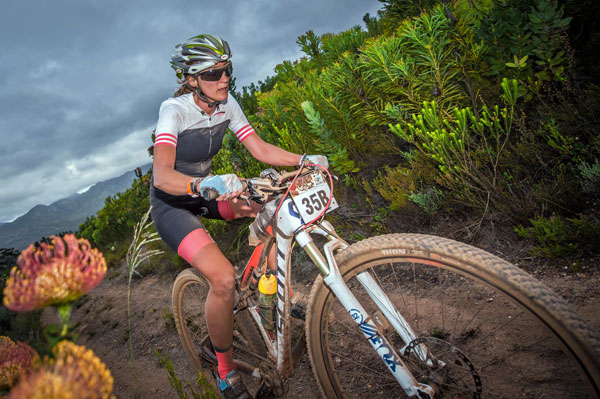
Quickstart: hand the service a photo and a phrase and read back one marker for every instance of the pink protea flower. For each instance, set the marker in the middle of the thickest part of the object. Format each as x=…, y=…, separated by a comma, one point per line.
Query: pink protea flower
x=49, y=275
x=75, y=372
x=16, y=360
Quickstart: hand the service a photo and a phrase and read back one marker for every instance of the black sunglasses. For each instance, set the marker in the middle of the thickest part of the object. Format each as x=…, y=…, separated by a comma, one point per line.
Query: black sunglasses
x=212, y=75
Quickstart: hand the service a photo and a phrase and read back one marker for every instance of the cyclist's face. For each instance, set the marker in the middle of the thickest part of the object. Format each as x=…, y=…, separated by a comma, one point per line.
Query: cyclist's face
x=216, y=90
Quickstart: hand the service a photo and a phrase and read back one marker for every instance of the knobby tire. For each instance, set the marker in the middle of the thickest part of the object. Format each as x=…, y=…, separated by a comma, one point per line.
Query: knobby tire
x=495, y=330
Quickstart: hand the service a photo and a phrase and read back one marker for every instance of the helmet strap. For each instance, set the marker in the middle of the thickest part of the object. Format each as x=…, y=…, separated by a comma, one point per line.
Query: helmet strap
x=203, y=97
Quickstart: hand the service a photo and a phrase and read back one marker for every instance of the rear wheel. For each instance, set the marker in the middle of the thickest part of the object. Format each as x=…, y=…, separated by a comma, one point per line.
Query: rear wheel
x=491, y=330
x=189, y=295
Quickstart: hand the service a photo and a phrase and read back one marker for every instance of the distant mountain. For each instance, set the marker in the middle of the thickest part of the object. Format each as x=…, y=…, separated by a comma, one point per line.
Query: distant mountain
x=63, y=215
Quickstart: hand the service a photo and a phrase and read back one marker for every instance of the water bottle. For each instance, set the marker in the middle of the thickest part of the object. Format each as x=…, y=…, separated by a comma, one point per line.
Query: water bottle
x=267, y=300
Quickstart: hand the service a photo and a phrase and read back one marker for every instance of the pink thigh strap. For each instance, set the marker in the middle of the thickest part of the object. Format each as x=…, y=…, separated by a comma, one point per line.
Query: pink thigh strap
x=192, y=243
x=225, y=211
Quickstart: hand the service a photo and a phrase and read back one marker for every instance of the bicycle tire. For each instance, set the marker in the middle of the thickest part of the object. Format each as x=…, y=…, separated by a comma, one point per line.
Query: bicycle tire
x=499, y=347
x=188, y=297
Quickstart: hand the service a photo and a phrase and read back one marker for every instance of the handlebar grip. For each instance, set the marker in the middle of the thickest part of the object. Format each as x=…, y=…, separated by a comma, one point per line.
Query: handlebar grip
x=209, y=193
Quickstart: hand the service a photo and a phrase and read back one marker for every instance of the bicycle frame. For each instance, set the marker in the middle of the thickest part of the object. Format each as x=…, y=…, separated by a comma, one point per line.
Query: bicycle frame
x=289, y=228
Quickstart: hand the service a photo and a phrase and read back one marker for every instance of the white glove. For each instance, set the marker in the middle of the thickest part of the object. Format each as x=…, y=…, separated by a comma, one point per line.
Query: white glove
x=316, y=159
x=219, y=185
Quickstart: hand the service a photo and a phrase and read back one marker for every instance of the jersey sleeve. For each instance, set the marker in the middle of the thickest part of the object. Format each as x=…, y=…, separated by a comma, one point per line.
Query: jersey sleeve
x=169, y=124
x=239, y=123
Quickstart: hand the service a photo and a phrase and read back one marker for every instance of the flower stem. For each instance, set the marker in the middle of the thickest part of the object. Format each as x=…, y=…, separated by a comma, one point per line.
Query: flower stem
x=64, y=315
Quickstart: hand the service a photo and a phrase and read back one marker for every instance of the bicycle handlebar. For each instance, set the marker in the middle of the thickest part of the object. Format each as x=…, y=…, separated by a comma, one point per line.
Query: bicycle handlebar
x=269, y=183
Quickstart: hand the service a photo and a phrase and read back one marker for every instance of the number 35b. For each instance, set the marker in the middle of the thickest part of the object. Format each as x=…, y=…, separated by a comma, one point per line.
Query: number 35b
x=315, y=202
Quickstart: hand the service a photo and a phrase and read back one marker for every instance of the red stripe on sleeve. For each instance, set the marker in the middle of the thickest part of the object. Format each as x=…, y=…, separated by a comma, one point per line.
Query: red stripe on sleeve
x=244, y=132
x=166, y=138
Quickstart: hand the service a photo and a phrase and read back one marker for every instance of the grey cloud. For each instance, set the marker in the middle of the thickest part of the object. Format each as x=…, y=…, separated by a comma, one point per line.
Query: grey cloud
x=81, y=81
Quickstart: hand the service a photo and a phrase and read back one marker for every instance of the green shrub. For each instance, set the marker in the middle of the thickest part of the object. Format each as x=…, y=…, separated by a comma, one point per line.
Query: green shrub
x=467, y=148
x=326, y=144
x=590, y=177
x=418, y=63
x=429, y=200
x=558, y=237
x=525, y=38
x=394, y=185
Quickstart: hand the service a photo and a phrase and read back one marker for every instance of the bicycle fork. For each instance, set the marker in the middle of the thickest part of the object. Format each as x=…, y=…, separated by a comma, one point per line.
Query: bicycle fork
x=366, y=322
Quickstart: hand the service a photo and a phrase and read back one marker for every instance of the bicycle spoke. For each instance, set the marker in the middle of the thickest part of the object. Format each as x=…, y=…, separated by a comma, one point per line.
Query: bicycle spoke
x=361, y=365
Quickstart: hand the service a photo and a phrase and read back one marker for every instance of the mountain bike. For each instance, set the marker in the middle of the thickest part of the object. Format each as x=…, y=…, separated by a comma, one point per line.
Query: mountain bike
x=399, y=315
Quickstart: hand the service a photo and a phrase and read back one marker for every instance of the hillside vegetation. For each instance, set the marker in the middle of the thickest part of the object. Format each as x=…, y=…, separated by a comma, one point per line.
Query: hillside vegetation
x=485, y=112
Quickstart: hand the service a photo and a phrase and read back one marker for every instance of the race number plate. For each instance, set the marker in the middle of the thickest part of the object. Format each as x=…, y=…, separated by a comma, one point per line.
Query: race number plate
x=311, y=195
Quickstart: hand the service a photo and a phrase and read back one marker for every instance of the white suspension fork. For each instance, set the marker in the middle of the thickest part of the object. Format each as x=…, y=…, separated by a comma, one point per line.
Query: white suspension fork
x=380, y=344
x=389, y=311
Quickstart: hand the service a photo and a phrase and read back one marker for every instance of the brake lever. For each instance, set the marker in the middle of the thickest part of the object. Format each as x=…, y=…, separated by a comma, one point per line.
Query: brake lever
x=252, y=194
x=272, y=175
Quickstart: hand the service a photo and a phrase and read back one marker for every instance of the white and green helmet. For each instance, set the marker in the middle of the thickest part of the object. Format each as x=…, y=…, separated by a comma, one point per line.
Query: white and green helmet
x=199, y=53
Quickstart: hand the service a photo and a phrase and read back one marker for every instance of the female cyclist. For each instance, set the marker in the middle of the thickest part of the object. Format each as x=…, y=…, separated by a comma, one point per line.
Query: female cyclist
x=190, y=130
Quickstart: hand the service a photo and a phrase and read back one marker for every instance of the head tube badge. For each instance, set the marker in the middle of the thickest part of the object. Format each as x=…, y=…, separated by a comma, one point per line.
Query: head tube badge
x=293, y=211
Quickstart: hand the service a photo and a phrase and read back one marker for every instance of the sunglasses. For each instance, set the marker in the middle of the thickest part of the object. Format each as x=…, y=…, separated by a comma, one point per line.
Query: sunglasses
x=212, y=75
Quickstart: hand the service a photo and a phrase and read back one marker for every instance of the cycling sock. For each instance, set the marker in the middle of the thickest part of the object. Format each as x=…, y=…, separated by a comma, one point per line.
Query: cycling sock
x=224, y=361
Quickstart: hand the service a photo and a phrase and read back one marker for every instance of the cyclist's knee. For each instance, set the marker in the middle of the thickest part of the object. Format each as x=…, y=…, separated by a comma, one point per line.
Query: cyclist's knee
x=223, y=283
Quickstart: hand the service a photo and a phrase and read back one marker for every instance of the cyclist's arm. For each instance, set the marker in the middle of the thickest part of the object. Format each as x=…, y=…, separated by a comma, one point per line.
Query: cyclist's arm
x=269, y=153
x=166, y=178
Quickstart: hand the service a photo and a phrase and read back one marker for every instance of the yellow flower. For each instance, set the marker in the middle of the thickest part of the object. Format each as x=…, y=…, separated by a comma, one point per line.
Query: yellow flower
x=48, y=275
x=74, y=373
x=16, y=360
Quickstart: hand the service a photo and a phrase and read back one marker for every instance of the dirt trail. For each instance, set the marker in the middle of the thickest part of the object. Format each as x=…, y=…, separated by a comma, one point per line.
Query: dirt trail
x=101, y=322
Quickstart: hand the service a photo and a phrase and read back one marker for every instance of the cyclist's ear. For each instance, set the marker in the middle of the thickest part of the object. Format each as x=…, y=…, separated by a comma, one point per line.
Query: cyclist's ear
x=191, y=80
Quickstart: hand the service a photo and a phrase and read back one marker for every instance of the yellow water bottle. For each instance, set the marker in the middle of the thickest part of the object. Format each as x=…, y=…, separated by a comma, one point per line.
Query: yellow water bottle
x=267, y=300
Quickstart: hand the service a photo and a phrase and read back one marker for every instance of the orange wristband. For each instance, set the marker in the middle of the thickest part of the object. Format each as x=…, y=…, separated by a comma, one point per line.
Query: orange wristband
x=189, y=187
x=192, y=187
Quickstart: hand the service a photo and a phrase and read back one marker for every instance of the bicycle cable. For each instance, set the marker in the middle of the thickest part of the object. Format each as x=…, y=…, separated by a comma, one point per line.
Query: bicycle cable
x=288, y=190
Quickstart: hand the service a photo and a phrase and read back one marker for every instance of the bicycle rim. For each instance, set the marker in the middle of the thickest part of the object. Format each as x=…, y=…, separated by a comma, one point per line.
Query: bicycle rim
x=189, y=295
x=491, y=330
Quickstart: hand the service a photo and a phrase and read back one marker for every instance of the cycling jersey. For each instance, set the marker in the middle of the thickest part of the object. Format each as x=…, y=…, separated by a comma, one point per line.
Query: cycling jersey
x=197, y=137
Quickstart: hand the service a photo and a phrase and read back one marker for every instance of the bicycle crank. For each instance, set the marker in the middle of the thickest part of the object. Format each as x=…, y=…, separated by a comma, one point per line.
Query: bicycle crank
x=272, y=385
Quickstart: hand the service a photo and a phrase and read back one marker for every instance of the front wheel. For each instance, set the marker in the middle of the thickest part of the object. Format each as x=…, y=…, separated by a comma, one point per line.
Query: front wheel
x=490, y=329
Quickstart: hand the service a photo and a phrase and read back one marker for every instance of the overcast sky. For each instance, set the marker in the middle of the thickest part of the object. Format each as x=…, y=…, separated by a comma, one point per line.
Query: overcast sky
x=81, y=81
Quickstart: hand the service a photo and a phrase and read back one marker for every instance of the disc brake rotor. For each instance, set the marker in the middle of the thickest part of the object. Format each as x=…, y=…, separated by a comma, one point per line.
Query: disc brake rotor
x=443, y=366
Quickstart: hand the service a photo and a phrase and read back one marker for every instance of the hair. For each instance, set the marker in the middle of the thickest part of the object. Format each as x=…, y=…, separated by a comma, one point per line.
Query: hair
x=185, y=88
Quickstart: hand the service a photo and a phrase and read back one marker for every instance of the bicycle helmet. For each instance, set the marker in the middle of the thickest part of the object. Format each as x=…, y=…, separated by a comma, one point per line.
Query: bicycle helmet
x=199, y=53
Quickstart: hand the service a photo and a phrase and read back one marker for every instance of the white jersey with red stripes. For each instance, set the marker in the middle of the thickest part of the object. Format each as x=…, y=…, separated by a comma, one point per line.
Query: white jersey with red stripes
x=196, y=135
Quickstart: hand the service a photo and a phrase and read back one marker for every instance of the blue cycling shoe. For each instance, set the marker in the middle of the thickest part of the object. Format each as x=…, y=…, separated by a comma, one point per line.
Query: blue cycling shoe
x=232, y=387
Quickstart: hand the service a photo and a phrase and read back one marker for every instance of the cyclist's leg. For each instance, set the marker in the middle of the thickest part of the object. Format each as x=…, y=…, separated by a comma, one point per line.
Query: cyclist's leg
x=178, y=226
x=219, y=272
x=218, y=309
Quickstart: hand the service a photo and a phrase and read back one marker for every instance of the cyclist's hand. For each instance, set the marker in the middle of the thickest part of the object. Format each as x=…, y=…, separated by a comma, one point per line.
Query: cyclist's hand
x=316, y=159
x=223, y=186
